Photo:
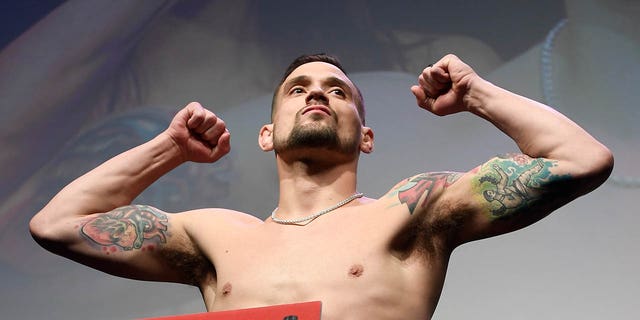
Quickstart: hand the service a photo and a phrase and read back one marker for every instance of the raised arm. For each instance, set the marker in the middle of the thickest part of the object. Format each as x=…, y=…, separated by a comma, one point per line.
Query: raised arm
x=93, y=222
x=559, y=160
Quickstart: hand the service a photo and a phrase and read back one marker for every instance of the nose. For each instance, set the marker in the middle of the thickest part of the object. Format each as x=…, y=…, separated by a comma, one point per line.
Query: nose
x=317, y=96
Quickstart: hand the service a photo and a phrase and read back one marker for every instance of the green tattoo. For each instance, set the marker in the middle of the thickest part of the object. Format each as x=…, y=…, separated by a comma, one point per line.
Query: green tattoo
x=412, y=190
x=126, y=228
x=513, y=182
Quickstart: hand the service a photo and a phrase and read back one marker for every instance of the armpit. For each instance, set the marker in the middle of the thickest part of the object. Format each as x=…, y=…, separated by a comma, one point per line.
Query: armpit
x=188, y=261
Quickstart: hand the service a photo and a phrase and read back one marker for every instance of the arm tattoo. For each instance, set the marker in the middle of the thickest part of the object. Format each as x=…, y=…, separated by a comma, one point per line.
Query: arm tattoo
x=126, y=228
x=514, y=182
x=411, y=190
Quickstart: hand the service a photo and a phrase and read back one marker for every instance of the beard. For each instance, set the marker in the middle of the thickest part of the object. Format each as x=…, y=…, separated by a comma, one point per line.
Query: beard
x=316, y=136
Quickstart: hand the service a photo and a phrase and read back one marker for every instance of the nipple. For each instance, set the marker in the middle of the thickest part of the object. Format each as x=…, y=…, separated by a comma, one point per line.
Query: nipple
x=226, y=289
x=356, y=271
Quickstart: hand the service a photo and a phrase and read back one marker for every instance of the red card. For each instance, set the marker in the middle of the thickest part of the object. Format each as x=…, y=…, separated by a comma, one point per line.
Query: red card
x=295, y=311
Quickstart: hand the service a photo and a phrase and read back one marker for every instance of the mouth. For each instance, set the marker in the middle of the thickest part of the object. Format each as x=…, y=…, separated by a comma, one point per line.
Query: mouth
x=316, y=109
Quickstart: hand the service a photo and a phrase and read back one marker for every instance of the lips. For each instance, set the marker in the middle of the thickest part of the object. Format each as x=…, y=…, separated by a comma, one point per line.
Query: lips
x=317, y=108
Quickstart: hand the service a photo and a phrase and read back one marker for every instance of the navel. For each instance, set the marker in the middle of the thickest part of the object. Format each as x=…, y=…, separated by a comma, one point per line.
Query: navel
x=226, y=289
x=356, y=271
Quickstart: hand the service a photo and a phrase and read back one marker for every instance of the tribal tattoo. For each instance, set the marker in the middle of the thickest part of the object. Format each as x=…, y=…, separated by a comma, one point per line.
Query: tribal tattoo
x=514, y=182
x=126, y=228
x=411, y=190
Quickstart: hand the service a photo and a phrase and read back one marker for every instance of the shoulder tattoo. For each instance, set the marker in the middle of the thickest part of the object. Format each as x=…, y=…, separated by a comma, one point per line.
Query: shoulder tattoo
x=410, y=191
x=127, y=228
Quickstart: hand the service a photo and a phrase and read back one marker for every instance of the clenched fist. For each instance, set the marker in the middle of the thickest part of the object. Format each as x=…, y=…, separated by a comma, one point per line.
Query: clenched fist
x=443, y=87
x=199, y=133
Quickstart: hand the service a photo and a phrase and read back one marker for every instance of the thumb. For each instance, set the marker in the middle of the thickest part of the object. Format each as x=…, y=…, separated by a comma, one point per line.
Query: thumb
x=421, y=96
x=222, y=147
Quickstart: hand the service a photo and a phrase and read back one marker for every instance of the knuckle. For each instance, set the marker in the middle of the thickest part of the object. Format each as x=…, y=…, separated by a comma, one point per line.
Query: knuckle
x=193, y=104
x=450, y=56
x=210, y=136
x=209, y=122
x=210, y=113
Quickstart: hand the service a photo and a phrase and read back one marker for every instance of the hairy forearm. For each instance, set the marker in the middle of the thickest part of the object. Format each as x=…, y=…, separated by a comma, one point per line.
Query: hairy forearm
x=115, y=183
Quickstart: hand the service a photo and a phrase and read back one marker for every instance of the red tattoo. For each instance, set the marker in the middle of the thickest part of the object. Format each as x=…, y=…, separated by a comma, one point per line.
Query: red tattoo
x=127, y=227
x=417, y=186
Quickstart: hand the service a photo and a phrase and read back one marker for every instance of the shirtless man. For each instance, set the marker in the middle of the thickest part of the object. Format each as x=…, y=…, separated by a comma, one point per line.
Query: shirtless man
x=363, y=258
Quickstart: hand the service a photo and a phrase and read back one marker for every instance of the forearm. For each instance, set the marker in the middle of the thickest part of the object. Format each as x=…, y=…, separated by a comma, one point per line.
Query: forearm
x=89, y=220
x=538, y=130
x=115, y=183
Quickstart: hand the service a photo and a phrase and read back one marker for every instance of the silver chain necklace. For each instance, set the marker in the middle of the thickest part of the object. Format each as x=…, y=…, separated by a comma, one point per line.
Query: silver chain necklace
x=315, y=215
x=548, y=94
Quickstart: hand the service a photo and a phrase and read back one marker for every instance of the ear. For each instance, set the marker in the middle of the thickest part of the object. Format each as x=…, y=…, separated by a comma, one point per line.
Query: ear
x=366, y=143
x=265, y=137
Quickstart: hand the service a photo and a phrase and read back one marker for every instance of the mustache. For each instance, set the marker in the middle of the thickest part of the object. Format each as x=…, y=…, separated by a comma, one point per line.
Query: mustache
x=319, y=107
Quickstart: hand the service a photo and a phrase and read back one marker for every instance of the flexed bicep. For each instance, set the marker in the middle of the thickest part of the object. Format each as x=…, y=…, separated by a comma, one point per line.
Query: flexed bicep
x=508, y=193
x=133, y=241
x=513, y=183
x=127, y=228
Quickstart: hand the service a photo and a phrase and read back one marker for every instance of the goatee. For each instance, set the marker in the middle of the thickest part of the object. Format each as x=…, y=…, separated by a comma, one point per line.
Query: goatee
x=315, y=136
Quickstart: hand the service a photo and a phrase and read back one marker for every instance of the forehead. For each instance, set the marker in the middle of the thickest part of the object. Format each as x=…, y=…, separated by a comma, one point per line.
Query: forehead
x=318, y=71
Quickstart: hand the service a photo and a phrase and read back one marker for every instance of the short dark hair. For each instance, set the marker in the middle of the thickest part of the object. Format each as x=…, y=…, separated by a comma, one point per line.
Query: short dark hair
x=318, y=57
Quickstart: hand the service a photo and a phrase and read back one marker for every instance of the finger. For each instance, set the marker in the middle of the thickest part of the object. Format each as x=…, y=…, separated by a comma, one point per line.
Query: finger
x=213, y=132
x=440, y=76
x=223, y=146
x=196, y=115
x=420, y=95
x=429, y=89
x=436, y=80
x=210, y=120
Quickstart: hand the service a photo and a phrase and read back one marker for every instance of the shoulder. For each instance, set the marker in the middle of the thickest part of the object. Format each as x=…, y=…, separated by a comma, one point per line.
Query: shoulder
x=422, y=208
x=215, y=218
x=421, y=190
x=199, y=236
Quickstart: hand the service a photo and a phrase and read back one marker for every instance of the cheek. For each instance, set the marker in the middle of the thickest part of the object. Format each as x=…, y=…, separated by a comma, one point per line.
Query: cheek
x=280, y=130
x=350, y=134
x=350, y=123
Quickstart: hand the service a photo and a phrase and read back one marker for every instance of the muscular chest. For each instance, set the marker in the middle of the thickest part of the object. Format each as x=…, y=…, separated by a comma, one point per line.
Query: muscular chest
x=348, y=260
x=291, y=256
x=274, y=264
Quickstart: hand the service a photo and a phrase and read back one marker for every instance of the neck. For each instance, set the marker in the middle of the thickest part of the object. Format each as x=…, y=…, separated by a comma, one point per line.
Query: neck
x=308, y=187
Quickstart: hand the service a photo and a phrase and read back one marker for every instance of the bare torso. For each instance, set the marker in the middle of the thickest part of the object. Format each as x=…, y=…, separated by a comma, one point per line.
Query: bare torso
x=351, y=260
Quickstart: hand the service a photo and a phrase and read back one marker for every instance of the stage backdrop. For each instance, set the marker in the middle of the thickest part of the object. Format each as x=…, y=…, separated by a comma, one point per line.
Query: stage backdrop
x=81, y=81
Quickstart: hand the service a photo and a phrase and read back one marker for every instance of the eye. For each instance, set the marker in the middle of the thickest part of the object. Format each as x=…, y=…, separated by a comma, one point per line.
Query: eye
x=337, y=91
x=296, y=90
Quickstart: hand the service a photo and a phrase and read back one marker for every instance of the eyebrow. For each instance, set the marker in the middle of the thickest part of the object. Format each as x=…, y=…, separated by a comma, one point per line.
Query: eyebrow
x=334, y=81
x=299, y=80
x=306, y=80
